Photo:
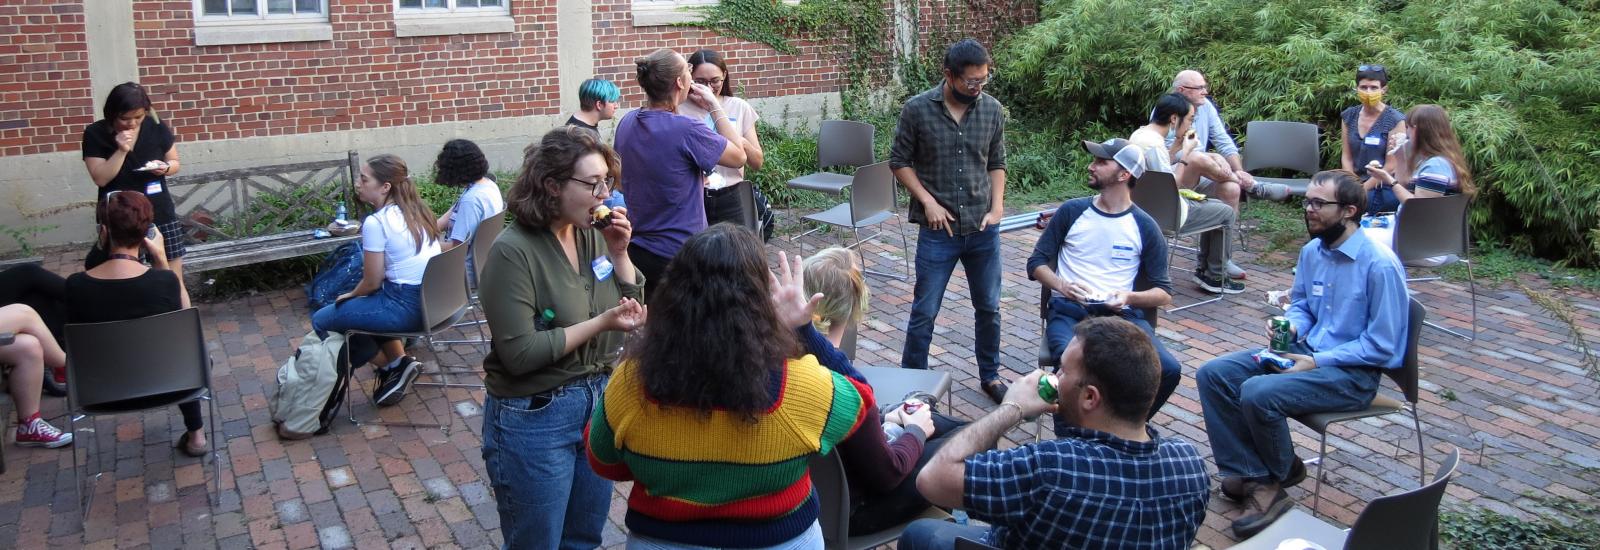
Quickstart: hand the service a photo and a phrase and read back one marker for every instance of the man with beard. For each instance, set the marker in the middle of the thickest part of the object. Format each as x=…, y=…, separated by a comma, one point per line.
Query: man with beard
x=1094, y=251
x=1107, y=481
x=1348, y=314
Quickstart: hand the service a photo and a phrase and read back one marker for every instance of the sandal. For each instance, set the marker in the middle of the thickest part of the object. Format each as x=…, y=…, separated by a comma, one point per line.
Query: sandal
x=184, y=447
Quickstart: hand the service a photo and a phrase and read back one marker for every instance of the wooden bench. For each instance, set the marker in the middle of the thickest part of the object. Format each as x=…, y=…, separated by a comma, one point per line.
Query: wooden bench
x=258, y=214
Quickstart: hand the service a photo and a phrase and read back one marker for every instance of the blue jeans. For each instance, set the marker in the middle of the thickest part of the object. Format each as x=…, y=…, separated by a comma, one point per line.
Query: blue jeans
x=547, y=495
x=1247, y=409
x=1066, y=314
x=933, y=534
x=811, y=539
x=393, y=308
x=937, y=254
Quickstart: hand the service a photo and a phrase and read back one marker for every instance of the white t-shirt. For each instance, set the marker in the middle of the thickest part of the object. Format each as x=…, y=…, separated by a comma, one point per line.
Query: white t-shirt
x=1101, y=251
x=385, y=231
x=743, y=117
x=1158, y=158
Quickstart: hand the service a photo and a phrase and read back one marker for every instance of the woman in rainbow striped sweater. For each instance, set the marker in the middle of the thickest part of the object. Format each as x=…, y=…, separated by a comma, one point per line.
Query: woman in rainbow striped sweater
x=715, y=412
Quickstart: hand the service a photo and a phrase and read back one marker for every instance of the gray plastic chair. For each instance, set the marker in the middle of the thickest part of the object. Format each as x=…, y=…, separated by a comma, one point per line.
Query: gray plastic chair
x=839, y=143
x=1436, y=226
x=1157, y=195
x=1406, y=377
x=1282, y=144
x=483, y=238
x=872, y=202
x=895, y=382
x=1406, y=521
x=136, y=365
x=444, y=301
x=833, y=493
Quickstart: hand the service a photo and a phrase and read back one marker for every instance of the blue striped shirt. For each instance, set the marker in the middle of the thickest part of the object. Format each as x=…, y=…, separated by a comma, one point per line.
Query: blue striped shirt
x=1090, y=489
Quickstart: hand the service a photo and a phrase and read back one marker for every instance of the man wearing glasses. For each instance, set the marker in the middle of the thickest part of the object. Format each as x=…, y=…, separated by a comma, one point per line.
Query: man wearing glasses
x=949, y=151
x=1348, y=316
x=1223, y=172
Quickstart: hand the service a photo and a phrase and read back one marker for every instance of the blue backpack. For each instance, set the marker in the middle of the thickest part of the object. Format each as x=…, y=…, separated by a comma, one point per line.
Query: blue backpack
x=339, y=273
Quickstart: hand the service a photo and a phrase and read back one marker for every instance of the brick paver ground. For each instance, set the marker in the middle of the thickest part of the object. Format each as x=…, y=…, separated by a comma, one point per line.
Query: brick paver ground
x=1516, y=402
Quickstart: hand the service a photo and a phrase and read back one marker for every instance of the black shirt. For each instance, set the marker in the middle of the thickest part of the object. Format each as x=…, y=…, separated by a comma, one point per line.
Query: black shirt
x=155, y=139
x=574, y=121
x=92, y=300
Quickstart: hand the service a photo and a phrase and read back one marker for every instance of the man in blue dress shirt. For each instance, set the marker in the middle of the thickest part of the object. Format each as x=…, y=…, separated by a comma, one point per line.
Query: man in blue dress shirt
x=1348, y=312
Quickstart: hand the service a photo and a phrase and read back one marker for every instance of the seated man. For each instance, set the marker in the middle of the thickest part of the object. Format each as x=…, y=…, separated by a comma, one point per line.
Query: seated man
x=1348, y=311
x=1215, y=272
x=1109, y=481
x=1095, y=248
x=1223, y=174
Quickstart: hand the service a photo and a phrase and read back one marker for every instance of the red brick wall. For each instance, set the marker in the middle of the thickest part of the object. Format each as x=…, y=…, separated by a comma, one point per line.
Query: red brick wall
x=366, y=77
x=44, y=77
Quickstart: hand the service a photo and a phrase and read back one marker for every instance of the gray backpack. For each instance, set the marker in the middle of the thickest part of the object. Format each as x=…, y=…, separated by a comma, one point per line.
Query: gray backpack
x=311, y=388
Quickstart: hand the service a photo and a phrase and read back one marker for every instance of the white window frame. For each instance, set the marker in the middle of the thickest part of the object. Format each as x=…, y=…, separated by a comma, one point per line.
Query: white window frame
x=451, y=20
x=647, y=13
x=260, y=27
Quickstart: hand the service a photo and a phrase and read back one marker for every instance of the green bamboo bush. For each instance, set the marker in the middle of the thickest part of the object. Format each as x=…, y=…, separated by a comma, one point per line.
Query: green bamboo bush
x=1521, y=79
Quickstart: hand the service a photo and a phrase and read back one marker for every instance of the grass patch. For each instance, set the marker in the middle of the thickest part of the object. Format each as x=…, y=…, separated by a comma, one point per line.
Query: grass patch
x=1573, y=527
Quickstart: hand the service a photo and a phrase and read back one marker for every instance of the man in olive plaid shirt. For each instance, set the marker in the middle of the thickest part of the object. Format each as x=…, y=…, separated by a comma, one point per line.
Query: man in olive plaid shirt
x=949, y=151
x=1107, y=481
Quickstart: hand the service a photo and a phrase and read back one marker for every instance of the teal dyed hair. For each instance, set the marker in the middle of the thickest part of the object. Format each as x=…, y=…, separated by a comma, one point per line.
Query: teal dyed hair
x=595, y=90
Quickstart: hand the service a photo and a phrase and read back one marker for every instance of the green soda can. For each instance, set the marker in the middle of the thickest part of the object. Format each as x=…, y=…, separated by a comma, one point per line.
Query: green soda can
x=1282, y=334
x=1047, y=388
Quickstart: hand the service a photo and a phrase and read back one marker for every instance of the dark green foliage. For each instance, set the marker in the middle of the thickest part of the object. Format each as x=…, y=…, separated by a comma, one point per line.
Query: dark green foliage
x=1574, y=528
x=1521, y=80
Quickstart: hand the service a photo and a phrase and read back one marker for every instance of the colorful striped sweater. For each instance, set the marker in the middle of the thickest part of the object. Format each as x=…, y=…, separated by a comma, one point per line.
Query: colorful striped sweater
x=720, y=480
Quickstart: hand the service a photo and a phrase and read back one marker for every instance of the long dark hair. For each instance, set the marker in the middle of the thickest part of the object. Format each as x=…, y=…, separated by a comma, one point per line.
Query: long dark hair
x=714, y=340
x=1432, y=136
x=711, y=56
x=460, y=164
x=419, y=218
x=535, y=199
x=125, y=97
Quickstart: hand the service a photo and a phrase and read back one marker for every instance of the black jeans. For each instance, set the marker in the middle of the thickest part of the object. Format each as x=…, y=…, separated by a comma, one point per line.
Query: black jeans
x=653, y=267
x=873, y=513
x=38, y=288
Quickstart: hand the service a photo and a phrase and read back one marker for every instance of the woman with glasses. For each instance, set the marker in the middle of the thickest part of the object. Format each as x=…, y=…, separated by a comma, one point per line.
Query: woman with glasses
x=1372, y=136
x=558, y=294
x=710, y=69
x=666, y=157
x=1439, y=170
x=133, y=150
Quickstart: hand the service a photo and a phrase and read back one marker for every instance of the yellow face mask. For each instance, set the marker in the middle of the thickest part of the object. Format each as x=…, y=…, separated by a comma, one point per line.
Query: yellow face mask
x=1370, y=98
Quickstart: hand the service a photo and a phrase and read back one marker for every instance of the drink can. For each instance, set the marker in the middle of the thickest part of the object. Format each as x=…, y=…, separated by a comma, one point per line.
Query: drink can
x=1047, y=388
x=1282, y=334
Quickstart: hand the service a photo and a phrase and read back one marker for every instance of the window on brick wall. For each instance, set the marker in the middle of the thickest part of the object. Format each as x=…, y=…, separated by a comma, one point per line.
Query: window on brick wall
x=221, y=22
x=671, y=12
x=447, y=17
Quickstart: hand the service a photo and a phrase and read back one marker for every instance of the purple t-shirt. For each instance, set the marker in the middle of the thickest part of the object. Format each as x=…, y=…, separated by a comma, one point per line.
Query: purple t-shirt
x=665, y=158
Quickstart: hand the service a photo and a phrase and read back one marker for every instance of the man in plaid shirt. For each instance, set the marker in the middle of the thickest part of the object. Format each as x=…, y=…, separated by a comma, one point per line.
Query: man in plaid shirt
x=1108, y=481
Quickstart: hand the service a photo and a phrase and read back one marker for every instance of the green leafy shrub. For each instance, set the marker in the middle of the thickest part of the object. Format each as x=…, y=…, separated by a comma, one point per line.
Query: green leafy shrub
x=1520, y=78
x=1482, y=528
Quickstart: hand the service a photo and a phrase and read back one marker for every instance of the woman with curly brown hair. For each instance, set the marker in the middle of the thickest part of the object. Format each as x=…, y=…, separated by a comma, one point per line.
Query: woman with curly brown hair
x=462, y=164
x=715, y=412
x=559, y=292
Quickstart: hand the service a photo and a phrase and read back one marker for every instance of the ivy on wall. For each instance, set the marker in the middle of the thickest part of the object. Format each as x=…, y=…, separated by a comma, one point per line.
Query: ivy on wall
x=854, y=32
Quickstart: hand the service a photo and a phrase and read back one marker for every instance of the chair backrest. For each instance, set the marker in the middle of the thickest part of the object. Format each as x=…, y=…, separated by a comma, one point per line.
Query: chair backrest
x=1282, y=144
x=1156, y=193
x=483, y=239
x=749, y=215
x=847, y=344
x=1406, y=376
x=1432, y=226
x=833, y=493
x=844, y=143
x=444, y=286
x=123, y=360
x=1408, y=520
x=871, y=191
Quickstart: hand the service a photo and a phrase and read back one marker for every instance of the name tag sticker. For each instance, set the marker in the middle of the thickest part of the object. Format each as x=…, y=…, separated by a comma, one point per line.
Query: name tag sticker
x=1316, y=289
x=602, y=268
x=1373, y=141
x=153, y=188
x=1122, y=252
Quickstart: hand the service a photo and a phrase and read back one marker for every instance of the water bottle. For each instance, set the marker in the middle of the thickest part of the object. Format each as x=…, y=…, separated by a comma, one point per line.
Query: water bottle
x=339, y=215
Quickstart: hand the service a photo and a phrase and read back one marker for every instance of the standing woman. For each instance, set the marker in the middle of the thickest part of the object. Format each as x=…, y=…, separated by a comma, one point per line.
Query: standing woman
x=709, y=69
x=665, y=160
x=132, y=150
x=1372, y=133
x=558, y=295
x=397, y=240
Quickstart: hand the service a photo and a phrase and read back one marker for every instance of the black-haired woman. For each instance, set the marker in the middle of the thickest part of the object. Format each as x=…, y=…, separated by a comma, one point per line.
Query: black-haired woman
x=710, y=69
x=133, y=150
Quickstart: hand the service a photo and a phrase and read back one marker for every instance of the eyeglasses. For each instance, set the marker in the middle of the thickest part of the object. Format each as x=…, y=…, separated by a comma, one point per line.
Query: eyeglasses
x=1317, y=204
x=978, y=82
x=714, y=83
x=1200, y=88
x=598, y=187
x=1370, y=68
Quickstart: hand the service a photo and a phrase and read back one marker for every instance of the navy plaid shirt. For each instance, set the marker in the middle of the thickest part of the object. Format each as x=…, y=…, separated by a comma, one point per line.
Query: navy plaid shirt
x=1090, y=489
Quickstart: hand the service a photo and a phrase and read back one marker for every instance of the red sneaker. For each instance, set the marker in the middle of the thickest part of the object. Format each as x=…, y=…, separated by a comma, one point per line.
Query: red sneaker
x=38, y=433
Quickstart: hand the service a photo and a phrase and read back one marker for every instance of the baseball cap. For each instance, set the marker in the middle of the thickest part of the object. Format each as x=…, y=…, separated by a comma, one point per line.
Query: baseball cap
x=1126, y=155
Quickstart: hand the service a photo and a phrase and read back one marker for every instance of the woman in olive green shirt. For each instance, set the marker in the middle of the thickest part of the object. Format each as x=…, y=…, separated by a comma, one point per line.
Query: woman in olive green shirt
x=558, y=295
